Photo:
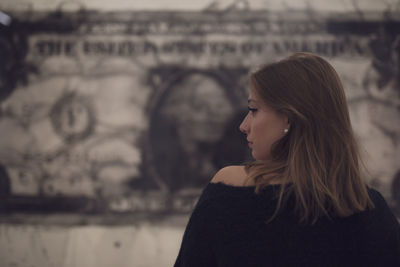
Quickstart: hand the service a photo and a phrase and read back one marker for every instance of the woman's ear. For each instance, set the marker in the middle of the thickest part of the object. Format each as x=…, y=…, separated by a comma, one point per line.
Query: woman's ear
x=286, y=121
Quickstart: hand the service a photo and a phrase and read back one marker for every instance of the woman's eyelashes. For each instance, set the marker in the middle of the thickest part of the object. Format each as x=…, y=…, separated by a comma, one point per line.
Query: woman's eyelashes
x=252, y=110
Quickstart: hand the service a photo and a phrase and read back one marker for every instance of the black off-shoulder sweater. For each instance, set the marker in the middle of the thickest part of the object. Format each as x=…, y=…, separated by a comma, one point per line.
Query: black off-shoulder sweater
x=227, y=228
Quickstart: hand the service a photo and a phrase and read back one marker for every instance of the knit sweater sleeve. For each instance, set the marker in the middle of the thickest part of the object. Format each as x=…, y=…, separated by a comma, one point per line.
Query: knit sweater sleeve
x=197, y=245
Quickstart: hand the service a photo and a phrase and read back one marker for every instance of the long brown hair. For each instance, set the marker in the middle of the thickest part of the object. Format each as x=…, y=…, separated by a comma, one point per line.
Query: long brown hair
x=317, y=161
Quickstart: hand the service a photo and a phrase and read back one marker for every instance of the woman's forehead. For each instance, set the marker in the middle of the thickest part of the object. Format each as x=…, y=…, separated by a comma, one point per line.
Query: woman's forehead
x=254, y=99
x=253, y=95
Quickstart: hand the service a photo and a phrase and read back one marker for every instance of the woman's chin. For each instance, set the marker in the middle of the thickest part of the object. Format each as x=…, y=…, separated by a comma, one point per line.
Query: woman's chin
x=255, y=156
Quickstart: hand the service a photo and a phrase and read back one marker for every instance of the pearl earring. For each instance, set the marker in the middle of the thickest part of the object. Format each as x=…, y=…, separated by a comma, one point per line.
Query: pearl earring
x=286, y=130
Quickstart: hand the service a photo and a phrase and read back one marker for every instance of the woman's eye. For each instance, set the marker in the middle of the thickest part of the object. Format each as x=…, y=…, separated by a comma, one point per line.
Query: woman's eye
x=252, y=110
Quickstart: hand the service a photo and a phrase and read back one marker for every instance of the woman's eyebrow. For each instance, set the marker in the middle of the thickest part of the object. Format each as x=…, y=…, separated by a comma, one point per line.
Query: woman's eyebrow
x=251, y=100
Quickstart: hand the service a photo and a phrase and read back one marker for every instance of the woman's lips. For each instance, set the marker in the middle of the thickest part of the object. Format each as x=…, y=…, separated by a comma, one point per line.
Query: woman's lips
x=250, y=144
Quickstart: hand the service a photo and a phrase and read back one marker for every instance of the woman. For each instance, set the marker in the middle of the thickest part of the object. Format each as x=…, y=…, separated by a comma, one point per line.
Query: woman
x=302, y=202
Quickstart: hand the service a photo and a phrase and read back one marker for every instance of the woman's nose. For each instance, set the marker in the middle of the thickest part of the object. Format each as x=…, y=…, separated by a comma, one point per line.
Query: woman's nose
x=243, y=126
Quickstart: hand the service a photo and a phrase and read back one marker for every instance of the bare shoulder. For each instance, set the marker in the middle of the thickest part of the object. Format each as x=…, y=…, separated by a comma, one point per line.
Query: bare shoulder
x=232, y=175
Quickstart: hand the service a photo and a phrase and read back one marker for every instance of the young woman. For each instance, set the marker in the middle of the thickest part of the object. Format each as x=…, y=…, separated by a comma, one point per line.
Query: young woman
x=303, y=201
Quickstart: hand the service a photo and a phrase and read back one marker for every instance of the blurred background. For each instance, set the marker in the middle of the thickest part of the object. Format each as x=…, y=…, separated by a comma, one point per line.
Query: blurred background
x=114, y=115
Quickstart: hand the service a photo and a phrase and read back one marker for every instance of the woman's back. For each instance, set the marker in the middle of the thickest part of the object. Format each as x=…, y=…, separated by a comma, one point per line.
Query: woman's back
x=228, y=228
